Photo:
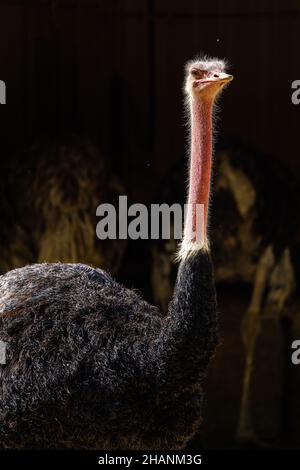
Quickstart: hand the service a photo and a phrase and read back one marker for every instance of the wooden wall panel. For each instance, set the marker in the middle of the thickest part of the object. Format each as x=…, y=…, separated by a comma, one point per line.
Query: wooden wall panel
x=114, y=70
x=12, y=66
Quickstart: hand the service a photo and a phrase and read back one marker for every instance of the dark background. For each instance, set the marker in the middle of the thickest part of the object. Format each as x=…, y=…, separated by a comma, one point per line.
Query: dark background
x=113, y=71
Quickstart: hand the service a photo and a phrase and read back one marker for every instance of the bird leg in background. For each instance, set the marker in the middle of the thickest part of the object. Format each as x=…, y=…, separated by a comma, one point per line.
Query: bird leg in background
x=251, y=327
x=282, y=284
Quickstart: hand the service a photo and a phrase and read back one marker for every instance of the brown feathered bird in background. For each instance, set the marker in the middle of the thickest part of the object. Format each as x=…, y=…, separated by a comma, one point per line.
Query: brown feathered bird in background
x=49, y=199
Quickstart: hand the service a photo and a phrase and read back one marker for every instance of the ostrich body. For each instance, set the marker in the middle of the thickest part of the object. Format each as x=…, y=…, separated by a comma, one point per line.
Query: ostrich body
x=90, y=364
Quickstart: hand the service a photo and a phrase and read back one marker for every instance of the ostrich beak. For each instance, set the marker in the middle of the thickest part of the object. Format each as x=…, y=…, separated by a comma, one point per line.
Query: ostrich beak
x=225, y=78
x=219, y=79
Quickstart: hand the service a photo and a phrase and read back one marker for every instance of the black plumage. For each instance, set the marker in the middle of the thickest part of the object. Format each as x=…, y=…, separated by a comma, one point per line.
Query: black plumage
x=92, y=365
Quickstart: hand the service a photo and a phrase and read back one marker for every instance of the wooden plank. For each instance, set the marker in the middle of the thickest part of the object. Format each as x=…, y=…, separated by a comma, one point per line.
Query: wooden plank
x=233, y=8
x=113, y=87
x=12, y=73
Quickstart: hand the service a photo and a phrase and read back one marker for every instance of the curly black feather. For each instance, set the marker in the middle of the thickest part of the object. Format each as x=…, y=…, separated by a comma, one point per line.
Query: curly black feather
x=90, y=364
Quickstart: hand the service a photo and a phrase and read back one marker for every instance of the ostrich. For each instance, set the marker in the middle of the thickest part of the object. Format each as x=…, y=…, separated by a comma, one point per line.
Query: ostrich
x=55, y=220
x=90, y=364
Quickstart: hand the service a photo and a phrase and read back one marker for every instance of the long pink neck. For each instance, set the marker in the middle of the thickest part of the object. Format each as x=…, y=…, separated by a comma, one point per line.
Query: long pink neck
x=200, y=168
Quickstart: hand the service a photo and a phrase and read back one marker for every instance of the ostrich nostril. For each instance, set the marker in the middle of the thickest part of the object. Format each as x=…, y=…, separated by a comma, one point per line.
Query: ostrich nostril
x=216, y=75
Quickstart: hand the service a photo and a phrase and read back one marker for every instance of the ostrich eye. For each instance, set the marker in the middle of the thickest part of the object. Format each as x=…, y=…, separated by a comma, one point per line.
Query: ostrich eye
x=196, y=73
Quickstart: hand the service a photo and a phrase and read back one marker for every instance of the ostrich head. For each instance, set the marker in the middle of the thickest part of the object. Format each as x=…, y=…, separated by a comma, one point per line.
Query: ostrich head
x=206, y=77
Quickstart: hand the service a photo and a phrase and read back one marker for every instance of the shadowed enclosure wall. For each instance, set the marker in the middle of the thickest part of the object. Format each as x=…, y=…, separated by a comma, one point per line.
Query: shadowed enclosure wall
x=113, y=70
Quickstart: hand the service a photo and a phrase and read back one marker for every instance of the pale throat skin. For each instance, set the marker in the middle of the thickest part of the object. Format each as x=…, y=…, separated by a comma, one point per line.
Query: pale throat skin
x=204, y=81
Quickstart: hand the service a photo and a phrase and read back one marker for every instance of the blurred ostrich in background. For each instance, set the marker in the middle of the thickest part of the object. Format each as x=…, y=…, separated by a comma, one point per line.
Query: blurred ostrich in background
x=252, y=232
x=90, y=364
x=48, y=206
